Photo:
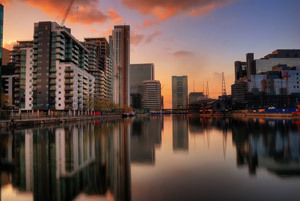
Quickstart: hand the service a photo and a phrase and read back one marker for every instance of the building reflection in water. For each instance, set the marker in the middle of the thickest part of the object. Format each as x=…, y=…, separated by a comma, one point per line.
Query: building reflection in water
x=64, y=163
x=87, y=161
x=145, y=137
x=180, y=133
x=273, y=145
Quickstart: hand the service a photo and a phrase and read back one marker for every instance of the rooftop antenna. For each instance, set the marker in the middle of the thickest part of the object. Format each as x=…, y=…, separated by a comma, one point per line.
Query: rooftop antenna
x=223, y=85
x=194, y=86
x=207, y=90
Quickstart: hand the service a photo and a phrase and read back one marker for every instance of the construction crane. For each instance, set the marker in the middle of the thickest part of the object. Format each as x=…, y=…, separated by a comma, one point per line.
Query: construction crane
x=67, y=12
x=207, y=90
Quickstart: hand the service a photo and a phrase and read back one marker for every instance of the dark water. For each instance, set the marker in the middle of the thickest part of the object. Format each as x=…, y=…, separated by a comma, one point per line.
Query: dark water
x=153, y=159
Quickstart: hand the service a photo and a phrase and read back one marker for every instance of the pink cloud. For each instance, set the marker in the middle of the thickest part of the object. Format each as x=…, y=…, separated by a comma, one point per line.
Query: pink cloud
x=152, y=36
x=136, y=39
x=183, y=53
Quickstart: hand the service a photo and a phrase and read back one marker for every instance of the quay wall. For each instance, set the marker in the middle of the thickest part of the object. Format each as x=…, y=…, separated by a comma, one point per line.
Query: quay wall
x=52, y=120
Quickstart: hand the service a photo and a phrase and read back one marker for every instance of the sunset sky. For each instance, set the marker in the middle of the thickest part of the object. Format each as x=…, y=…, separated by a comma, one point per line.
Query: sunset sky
x=197, y=38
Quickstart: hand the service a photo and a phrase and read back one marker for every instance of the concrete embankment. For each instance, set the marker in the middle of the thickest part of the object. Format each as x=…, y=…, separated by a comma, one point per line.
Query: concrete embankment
x=264, y=115
x=251, y=115
x=52, y=120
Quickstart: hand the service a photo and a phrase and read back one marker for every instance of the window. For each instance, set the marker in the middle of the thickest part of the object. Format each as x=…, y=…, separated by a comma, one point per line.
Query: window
x=59, y=105
x=59, y=92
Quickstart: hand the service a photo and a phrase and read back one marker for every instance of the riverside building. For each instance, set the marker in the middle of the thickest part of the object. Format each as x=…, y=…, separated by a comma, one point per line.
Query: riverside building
x=138, y=74
x=55, y=71
x=100, y=66
x=179, y=92
x=152, y=95
x=121, y=54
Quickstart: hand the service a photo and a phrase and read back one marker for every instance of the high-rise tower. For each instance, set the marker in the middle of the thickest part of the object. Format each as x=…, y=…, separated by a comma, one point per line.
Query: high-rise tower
x=179, y=92
x=121, y=52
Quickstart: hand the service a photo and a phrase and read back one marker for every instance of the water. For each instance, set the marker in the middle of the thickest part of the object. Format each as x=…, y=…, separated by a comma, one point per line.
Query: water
x=145, y=159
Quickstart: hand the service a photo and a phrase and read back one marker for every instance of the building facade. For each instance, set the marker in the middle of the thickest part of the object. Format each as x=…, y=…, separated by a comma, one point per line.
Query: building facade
x=289, y=57
x=179, y=92
x=1, y=38
x=9, y=83
x=152, y=95
x=138, y=74
x=196, y=96
x=22, y=58
x=240, y=70
x=121, y=54
x=100, y=66
x=239, y=91
x=281, y=81
x=54, y=71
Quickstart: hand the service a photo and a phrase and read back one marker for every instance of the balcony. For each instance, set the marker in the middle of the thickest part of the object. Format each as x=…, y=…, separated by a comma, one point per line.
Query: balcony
x=68, y=88
x=53, y=70
x=52, y=81
x=53, y=88
x=69, y=100
x=69, y=94
x=69, y=75
x=69, y=82
x=69, y=70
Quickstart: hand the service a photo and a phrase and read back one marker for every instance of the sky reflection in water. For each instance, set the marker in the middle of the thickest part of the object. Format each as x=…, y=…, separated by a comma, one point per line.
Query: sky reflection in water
x=170, y=158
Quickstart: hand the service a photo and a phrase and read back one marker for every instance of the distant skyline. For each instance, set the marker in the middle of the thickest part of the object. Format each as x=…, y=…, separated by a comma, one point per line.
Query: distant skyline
x=197, y=38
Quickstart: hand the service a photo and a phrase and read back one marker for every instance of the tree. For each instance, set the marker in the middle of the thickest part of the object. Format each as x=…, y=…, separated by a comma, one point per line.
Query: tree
x=104, y=105
x=5, y=100
x=127, y=108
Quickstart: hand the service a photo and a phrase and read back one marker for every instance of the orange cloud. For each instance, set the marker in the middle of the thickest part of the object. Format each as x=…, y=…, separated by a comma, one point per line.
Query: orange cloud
x=105, y=33
x=87, y=11
x=114, y=16
x=165, y=9
x=87, y=15
x=6, y=2
x=203, y=10
x=150, y=23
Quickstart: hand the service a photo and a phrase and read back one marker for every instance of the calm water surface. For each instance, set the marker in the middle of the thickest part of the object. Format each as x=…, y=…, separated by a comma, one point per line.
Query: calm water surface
x=153, y=159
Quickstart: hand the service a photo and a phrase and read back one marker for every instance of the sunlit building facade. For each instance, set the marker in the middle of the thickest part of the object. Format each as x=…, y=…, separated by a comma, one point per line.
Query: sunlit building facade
x=152, y=95
x=100, y=66
x=60, y=80
x=179, y=92
x=121, y=54
x=138, y=74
